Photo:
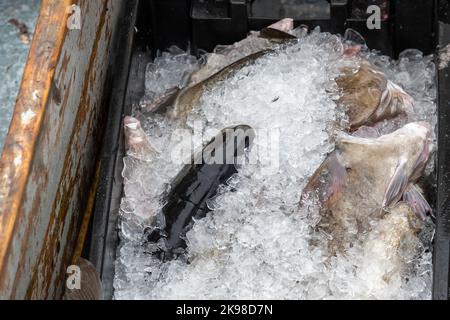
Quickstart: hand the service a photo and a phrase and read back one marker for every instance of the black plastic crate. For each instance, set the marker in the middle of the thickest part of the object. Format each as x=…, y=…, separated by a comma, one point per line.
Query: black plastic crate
x=420, y=24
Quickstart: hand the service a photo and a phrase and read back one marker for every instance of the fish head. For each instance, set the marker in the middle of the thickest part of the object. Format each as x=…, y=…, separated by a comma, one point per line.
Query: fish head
x=409, y=142
x=368, y=97
x=391, y=162
x=362, y=89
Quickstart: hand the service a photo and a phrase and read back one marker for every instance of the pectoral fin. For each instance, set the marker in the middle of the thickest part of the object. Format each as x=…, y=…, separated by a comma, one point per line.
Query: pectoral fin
x=327, y=182
x=397, y=185
x=394, y=102
x=414, y=198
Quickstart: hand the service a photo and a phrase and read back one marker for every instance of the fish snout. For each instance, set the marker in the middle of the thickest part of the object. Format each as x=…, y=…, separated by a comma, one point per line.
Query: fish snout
x=131, y=123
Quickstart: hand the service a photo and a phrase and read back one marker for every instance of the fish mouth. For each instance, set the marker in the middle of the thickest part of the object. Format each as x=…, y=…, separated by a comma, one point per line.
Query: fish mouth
x=131, y=123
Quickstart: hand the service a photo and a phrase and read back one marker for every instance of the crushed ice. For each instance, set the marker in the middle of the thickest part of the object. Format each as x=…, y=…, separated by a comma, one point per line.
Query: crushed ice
x=255, y=244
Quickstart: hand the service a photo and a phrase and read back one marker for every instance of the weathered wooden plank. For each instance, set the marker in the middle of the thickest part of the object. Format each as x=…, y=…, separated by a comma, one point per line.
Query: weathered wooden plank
x=49, y=156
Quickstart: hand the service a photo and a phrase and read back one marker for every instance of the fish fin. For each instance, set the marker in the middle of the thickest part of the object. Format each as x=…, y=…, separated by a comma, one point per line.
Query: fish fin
x=286, y=25
x=421, y=162
x=414, y=198
x=394, y=102
x=397, y=186
x=354, y=37
x=91, y=287
x=327, y=182
x=404, y=102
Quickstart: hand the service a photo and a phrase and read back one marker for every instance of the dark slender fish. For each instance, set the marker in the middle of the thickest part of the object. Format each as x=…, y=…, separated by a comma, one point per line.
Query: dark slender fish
x=194, y=186
x=276, y=35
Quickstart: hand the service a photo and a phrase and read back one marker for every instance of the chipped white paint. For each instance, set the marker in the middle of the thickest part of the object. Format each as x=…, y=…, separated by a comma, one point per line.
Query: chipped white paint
x=64, y=149
x=4, y=182
x=35, y=95
x=18, y=160
x=27, y=117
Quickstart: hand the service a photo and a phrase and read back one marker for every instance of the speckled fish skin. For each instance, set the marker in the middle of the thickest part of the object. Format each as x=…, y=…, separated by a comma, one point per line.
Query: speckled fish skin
x=189, y=97
x=365, y=177
x=228, y=56
x=368, y=97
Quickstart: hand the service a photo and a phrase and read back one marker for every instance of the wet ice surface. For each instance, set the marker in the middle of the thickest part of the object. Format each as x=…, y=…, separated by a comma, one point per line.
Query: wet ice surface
x=255, y=244
x=13, y=54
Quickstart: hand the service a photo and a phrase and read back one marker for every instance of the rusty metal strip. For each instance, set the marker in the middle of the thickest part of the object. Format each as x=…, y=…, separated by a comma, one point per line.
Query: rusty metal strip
x=29, y=111
x=87, y=216
x=47, y=168
x=46, y=276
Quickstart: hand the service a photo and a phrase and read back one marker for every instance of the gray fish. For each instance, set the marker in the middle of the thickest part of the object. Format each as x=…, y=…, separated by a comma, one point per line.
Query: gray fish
x=90, y=284
x=224, y=56
x=227, y=55
x=189, y=97
x=365, y=177
x=276, y=35
x=368, y=97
